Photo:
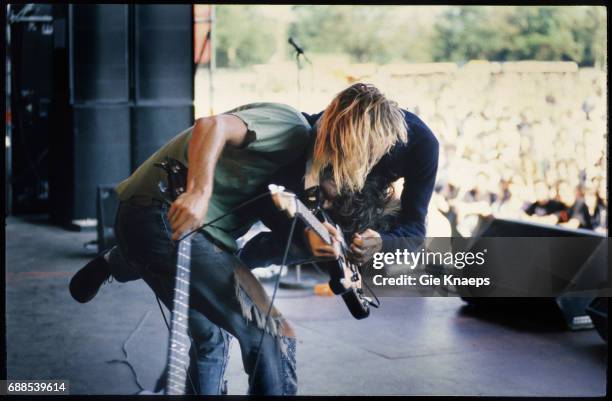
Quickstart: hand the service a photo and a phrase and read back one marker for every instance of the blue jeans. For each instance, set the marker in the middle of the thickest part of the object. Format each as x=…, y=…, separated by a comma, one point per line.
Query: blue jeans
x=225, y=299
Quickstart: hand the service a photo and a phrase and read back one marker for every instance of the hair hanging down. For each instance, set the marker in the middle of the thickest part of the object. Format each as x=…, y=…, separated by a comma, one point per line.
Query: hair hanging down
x=372, y=207
x=356, y=130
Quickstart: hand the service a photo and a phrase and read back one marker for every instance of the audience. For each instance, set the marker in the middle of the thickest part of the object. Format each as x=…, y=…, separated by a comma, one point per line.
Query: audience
x=528, y=146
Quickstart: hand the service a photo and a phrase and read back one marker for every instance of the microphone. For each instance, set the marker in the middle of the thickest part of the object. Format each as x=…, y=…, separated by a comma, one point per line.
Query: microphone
x=297, y=47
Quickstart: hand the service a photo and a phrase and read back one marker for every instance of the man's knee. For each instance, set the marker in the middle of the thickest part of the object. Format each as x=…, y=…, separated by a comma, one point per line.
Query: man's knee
x=119, y=266
x=204, y=332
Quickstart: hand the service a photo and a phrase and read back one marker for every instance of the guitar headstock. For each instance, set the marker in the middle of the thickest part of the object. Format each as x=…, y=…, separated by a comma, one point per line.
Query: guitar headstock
x=176, y=177
x=284, y=200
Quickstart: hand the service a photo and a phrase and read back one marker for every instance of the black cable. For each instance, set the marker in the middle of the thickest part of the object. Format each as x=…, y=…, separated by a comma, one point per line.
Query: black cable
x=286, y=253
x=188, y=234
x=377, y=304
x=125, y=360
x=263, y=332
x=162, y=312
x=317, y=268
x=283, y=263
x=243, y=204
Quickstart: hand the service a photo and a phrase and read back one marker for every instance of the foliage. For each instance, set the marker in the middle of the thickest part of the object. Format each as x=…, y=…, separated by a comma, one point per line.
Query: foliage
x=243, y=36
x=381, y=34
x=521, y=33
x=354, y=30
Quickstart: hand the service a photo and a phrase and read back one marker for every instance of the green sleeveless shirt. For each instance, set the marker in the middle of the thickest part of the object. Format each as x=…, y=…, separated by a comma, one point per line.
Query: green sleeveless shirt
x=276, y=135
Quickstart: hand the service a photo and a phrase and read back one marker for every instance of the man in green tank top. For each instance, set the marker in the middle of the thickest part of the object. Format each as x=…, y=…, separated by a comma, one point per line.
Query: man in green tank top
x=230, y=157
x=276, y=133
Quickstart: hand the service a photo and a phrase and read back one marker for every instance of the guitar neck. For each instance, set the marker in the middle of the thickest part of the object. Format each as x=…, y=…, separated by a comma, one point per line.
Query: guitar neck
x=311, y=221
x=178, y=358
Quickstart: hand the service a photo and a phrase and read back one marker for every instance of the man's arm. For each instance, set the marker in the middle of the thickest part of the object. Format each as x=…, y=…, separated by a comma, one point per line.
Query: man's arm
x=419, y=173
x=418, y=167
x=208, y=138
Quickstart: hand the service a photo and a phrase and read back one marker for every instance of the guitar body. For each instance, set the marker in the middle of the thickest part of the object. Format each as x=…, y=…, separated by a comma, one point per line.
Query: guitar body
x=345, y=278
x=352, y=296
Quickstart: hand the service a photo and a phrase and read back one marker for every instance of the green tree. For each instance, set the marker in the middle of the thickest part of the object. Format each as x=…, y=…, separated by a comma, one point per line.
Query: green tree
x=590, y=29
x=244, y=36
x=521, y=33
x=545, y=33
x=359, y=31
x=248, y=34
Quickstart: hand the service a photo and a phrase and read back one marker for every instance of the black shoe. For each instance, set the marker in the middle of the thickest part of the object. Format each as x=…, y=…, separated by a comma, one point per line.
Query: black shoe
x=85, y=284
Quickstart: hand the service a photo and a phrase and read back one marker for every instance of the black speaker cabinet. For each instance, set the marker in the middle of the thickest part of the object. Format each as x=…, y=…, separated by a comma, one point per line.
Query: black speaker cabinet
x=163, y=59
x=98, y=36
x=31, y=53
x=163, y=76
x=153, y=126
x=95, y=149
x=123, y=86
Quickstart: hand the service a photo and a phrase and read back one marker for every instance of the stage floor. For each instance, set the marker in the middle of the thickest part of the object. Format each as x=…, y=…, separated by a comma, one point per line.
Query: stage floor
x=413, y=346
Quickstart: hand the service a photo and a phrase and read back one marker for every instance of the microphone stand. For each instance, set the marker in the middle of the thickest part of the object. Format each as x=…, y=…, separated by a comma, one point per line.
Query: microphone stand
x=298, y=282
x=299, y=51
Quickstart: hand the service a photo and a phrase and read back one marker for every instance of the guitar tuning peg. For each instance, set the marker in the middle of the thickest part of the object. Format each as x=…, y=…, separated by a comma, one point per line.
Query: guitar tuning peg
x=163, y=165
x=162, y=187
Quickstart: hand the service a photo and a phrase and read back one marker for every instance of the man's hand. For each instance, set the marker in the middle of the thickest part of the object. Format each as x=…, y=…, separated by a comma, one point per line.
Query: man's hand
x=365, y=245
x=319, y=248
x=208, y=139
x=187, y=213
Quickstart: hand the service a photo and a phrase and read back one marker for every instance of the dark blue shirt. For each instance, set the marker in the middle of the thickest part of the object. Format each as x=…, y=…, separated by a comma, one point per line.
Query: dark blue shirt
x=417, y=163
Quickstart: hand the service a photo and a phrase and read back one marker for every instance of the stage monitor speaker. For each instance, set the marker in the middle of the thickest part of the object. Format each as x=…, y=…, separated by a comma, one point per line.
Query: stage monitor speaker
x=99, y=62
x=494, y=227
x=153, y=126
x=598, y=311
x=566, y=312
x=585, y=264
x=95, y=149
x=163, y=62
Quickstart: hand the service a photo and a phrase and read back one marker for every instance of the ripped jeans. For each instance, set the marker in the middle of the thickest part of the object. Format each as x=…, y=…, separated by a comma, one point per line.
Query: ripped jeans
x=225, y=298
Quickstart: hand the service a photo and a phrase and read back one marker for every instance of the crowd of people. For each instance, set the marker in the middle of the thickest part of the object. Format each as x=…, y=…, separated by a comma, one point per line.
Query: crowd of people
x=514, y=142
x=522, y=146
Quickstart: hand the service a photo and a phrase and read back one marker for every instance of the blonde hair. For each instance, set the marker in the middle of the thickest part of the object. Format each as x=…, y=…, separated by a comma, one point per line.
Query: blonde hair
x=356, y=130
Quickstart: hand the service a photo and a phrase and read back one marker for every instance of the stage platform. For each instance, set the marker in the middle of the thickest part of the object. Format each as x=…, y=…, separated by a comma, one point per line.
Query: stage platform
x=412, y=346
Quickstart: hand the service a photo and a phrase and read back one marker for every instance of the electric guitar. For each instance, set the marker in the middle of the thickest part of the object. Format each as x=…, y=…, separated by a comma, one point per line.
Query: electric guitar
x=178, y=347
x=345, y=279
